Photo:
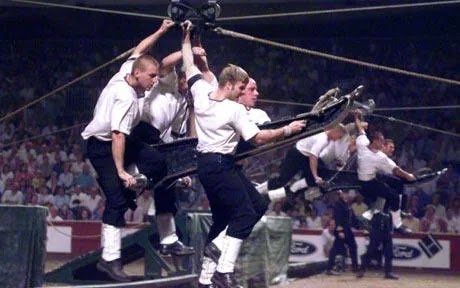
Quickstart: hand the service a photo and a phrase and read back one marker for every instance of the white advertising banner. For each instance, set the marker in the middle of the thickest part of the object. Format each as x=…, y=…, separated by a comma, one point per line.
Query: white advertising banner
x=406, y=252
x=59, y=239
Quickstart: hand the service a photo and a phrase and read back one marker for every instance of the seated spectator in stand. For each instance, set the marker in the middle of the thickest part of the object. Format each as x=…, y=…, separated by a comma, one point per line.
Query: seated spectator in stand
x=6, y=173
x=13, y=195
x=359, y=207
x=38, y=180
x=45, y=167
x=85, y=214
x=28, y=194
x=66, y=177
x=412, y=206
x=85, y=179
x=33, y=200
x=44, y=196
x=66, y=213
x=22, y=174
x=53, y=213
x=78, y=194
x=313, y=220
x=440, y=210
x=97, y=214
x=60, y=198
x=52, y=183
x=2, y=187
x=454, y=221
x=327, y=237
x=276, y=209
x=411, y=222
x=58, y=167
x=294, y=214
x=77, y=165
x=432, y=223
x=93, y=199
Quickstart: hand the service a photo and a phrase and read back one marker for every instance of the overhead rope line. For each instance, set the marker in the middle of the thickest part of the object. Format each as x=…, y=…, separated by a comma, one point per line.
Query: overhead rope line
x=340, y=10
x=334, y=57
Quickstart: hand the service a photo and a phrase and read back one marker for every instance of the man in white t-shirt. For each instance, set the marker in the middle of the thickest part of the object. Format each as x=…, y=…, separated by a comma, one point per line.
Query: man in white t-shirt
x=111, y=150
x=249, y=99
x=305, y=157
x=371, y=160
x=220, y=122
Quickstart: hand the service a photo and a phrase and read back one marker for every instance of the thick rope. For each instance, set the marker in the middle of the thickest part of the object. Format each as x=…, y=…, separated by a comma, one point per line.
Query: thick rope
x=109, y=11
x=334, y=57
x=404, y=108
x=341, y=10
x=249, y=17
x=415, y=125
x=59, y=89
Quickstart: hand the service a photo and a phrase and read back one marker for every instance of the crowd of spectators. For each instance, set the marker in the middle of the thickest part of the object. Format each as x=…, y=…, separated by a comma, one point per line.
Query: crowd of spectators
x=42, y=158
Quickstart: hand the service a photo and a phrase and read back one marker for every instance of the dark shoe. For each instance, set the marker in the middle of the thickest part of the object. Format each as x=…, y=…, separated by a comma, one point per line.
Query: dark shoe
x=212, y=251
x=224, y=280
x=403, y=230
x=177, y=248
x=360, y=274
x=332, y=273
x=391, y=276
x=114, y=269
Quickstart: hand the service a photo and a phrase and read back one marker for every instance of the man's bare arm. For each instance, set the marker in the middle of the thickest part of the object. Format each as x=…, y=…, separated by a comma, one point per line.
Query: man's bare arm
x=145, y=45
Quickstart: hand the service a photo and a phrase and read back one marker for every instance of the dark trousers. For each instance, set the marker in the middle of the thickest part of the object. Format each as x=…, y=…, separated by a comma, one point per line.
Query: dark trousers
x=233, y=199
x=338, y=248
x=397, y=184
x=293, y=163
x=375, y=188
x=118, y=199
x=380, y=235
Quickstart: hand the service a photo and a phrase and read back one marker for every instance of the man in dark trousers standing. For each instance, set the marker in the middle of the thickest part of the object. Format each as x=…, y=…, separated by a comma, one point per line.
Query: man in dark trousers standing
x=344, y=219
x=380, y=234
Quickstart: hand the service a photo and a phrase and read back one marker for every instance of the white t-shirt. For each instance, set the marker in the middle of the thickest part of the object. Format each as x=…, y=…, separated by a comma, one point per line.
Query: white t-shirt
x=369, y=162
x=117, y=108
x=313, y=145
x=163, y=104
x=257, y=116
x=219, y=124
x=336, y=151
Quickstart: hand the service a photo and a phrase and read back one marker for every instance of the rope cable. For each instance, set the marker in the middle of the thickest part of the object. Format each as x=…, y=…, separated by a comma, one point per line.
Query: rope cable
x=340, y=10
x=334, y=57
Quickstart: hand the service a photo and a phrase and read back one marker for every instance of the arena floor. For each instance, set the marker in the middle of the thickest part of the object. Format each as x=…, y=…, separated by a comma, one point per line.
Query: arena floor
x=413, y=279
x=409, y=279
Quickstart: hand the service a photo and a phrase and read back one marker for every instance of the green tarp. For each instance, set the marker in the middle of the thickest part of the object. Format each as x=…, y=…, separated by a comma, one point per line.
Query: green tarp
x=22, y=246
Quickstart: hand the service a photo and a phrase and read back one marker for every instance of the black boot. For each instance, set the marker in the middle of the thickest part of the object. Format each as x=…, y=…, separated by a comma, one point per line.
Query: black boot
x=360, y=273
x=224, y=280
x=114, y=269
x=177, y=248
x=206, y=286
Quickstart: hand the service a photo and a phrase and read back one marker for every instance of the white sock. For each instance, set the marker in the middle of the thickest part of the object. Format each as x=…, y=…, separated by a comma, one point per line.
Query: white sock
x=229, y=254
x=166, y=228
x=151, y=211
x=298, y=185
x=396, y=217
x=262, y=188
x=277, y=194
x=111, y=242
x=208, y=267
x=220, y=239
